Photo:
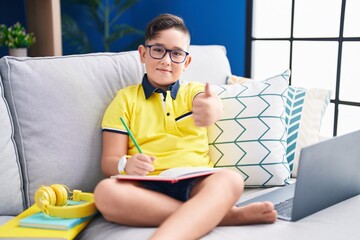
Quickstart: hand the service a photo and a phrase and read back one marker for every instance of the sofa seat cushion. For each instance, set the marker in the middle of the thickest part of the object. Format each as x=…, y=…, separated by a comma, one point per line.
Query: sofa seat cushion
x=4, y=219
x=336, y=222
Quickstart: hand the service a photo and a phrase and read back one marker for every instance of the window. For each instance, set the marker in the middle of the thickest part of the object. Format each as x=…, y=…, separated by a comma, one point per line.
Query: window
x=319, y=40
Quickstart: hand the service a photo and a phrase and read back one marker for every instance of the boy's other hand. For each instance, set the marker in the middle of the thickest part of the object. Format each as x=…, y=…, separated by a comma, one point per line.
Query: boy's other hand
x=207, y=108
x=140, y=164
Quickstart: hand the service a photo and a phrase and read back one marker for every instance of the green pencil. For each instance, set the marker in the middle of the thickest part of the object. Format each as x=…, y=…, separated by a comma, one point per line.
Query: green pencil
x=130, y=134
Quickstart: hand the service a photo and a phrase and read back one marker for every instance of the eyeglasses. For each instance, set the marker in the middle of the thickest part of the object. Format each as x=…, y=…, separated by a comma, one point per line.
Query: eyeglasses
x=158, y=52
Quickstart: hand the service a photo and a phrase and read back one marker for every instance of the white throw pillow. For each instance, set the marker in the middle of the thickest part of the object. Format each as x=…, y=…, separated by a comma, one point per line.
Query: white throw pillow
x=251, y=136
x=305, y=109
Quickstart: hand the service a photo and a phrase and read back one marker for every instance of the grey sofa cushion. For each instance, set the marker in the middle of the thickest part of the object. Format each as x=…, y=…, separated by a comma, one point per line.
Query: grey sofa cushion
x=58, y=104
x=340, y=221
x=208, y=64
x=11, y=200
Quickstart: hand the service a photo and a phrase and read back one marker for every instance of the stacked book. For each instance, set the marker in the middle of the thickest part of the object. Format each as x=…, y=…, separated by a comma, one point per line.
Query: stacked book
x=32, y=223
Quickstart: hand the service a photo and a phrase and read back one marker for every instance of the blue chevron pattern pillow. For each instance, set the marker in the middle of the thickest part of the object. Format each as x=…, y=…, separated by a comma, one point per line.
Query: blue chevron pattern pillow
x=251, y=136
x=305, y=110
x=294, y=105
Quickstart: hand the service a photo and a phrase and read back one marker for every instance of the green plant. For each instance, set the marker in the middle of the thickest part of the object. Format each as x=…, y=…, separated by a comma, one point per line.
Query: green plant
x=15, y=36
x=105, y=15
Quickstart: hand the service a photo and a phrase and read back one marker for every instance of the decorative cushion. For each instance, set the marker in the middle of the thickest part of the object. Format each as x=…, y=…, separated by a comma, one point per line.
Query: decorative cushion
x=294, y=106
x=305, y=109
x=304, y=113
x=233, y=79
x=251, y=136
x=10, y=177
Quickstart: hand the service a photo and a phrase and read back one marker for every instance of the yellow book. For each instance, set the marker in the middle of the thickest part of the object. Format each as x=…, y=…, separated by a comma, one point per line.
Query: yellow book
x=11, y=229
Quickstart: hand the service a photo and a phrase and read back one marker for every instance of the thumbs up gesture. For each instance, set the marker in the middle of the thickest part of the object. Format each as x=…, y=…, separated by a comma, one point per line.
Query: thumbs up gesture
x=207, y=108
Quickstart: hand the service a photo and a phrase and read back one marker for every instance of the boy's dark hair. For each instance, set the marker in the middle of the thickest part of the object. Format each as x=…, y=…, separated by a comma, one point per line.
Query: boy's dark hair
x=164, y=22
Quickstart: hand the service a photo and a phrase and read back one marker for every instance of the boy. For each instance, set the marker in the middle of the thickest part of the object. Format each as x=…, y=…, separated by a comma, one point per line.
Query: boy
x=169, y=120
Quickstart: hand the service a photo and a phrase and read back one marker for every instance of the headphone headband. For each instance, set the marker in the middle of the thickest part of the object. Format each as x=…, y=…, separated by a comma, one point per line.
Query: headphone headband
x=53, y=202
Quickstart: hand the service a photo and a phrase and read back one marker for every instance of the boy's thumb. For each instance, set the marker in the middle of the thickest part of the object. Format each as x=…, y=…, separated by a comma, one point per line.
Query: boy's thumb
x=207, y=90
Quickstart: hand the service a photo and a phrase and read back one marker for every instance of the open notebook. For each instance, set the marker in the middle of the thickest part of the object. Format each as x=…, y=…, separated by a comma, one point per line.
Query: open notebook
x=171, y=175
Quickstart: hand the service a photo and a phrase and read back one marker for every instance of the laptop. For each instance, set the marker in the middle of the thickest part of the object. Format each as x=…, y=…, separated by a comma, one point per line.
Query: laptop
x=328, y=173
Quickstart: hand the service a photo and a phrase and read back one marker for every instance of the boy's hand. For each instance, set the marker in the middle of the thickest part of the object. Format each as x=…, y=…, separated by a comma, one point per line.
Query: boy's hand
x=207, y=108
x=139, y=164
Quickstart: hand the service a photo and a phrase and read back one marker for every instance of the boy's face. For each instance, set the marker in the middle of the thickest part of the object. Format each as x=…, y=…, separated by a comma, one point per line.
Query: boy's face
x=163, y=72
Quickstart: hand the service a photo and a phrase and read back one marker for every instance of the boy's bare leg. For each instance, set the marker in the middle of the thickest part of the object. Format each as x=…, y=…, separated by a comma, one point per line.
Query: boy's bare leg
x=255, y=213
x=126, y=202
x=260, y=212
x=209, y=206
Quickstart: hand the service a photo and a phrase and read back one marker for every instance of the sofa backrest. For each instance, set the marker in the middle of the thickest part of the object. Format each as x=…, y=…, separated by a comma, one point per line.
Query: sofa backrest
x=11, y=191
x=56, y=106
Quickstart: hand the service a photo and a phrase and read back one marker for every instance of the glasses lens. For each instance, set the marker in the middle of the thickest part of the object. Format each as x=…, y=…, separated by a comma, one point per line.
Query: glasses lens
x=178, y=56
x=157, y=52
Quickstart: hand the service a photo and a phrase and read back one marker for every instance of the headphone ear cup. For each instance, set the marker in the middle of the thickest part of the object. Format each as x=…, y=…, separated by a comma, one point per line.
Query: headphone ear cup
x=45, y=196
x=61, y=194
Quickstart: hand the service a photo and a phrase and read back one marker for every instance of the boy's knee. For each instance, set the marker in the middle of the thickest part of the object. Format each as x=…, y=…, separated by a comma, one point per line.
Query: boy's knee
x=102, y=190
x=104, y=198
x=233, y=180
x=103, y=185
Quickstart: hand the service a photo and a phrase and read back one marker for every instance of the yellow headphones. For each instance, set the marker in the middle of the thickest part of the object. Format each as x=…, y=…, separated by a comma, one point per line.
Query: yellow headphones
x=52, y=200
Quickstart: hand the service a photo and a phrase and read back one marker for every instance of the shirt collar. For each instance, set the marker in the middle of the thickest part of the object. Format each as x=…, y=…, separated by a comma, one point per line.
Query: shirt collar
x=149, y=89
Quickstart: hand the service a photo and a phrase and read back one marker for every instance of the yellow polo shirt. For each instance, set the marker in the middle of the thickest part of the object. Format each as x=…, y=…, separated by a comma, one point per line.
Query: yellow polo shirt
x=161, y=123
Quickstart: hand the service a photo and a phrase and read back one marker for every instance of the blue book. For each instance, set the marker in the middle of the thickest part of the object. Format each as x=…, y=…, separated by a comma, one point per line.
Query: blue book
x=42, y=220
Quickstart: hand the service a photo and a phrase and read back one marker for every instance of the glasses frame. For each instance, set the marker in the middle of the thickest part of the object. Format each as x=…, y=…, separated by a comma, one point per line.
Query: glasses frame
x=167, y=51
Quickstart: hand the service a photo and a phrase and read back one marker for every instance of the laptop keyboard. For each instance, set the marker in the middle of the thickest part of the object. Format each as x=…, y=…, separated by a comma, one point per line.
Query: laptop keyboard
x=284, y=208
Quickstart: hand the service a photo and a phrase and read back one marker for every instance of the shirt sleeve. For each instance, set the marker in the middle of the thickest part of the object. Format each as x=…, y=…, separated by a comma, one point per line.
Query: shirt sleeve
x=117, y=108
x=195, y=89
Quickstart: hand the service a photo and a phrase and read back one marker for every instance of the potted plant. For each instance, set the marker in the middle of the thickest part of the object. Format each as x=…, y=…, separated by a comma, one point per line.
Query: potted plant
x=16, y=39
x=105, y=17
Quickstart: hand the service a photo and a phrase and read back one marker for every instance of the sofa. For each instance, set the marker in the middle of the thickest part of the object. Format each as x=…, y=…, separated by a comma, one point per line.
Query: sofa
x=50, y=114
